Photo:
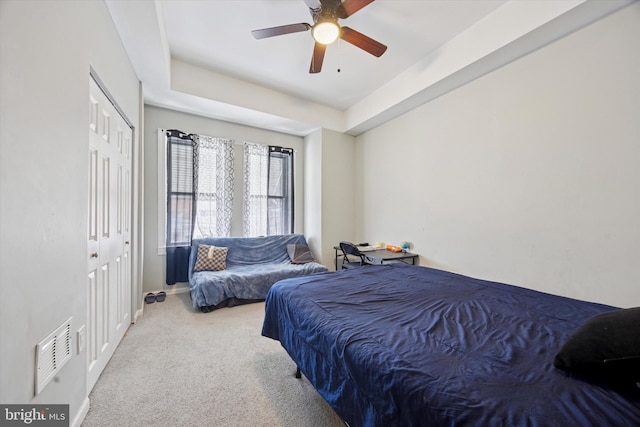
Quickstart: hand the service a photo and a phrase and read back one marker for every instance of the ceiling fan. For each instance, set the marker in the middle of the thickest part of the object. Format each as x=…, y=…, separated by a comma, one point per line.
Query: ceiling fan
x=325, y=29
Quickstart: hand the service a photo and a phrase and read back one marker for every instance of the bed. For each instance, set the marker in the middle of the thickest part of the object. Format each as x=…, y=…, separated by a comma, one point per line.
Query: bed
x=401, y=345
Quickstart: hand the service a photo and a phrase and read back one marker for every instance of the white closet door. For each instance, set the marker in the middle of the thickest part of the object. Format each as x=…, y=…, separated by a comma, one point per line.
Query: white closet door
x=109, y=232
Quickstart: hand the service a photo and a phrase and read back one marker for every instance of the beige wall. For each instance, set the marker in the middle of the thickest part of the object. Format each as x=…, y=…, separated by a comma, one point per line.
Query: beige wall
x=313, y=193
x=46, y=51
x=528, y=175
x=338, y=190
x=329, y=192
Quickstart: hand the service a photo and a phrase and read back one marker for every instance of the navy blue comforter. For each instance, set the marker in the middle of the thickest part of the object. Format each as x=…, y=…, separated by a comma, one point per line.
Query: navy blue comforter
x=402, y=345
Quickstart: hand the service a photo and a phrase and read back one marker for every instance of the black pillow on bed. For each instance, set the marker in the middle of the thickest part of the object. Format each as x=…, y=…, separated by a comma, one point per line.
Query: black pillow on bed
x=605, y=348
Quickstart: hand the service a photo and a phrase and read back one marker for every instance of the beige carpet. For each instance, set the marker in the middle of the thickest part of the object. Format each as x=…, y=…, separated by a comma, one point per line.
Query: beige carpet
x=181, y=367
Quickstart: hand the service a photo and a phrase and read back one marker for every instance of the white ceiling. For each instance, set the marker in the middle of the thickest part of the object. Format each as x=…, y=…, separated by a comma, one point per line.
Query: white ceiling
x=200, y=57
x=217, y=35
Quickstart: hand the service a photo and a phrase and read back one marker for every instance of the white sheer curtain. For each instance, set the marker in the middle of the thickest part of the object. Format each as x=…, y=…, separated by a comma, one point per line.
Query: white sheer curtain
x=214, y=191
x=256, y=168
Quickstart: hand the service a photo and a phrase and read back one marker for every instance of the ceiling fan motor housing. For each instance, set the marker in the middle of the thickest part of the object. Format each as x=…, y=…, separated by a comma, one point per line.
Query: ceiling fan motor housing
x=326, y=29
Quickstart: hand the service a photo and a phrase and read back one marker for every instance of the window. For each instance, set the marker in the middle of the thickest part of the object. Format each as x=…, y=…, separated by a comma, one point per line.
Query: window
x=199, y=187
x=280, y=195
x=180, y=188
x=214, y=187
x=196, y=179
x=268, y=190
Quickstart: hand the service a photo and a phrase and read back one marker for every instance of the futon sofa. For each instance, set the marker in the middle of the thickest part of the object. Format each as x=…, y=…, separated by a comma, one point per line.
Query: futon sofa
x=226, y=271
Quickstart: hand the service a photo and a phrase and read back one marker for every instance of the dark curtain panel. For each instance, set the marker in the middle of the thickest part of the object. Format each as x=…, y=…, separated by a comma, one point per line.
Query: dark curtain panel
x=182, y=169
x=177, y=264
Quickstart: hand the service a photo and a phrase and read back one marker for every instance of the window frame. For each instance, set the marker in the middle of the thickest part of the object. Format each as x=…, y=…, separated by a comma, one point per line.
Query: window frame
x=162, y=189
x=288, y=185
x=262, y=159
x=177, y=196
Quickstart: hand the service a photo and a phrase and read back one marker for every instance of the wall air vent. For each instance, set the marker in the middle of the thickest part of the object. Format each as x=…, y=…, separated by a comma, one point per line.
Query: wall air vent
x=51, y=355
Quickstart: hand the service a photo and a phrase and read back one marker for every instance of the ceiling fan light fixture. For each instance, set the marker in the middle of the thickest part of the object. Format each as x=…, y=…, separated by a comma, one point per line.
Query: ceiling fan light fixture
x=325, y=32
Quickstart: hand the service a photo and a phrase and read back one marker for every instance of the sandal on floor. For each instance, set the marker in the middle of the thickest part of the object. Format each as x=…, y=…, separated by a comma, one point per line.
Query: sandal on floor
x=160, y=296
x=150, y=298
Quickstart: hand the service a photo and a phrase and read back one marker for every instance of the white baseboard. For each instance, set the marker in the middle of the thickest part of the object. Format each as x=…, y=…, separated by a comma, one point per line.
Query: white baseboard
x=175, y=290
x=138, y=313
x=84, y=410
x=172, y=291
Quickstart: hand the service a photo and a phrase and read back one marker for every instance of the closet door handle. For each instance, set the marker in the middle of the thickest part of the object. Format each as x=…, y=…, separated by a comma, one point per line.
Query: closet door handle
x=94, y=255
x=126, y=243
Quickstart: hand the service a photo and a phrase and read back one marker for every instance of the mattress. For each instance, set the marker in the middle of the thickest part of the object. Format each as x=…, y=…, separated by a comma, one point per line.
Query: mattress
x=401, y=345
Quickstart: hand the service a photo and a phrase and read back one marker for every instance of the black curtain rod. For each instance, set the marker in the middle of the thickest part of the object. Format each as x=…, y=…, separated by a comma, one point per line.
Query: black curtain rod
x=280, y=149
x=179, y=134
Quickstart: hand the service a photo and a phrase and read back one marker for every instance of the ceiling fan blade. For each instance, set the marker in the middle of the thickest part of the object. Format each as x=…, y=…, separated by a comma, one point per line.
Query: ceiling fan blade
x=313, y=4
x=365, y=43
x=278, y=31
x=349, y=7
x=317, y=58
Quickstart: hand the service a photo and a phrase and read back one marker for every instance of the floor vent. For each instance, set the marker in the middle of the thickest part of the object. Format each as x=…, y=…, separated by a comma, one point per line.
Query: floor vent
x=51, y=354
